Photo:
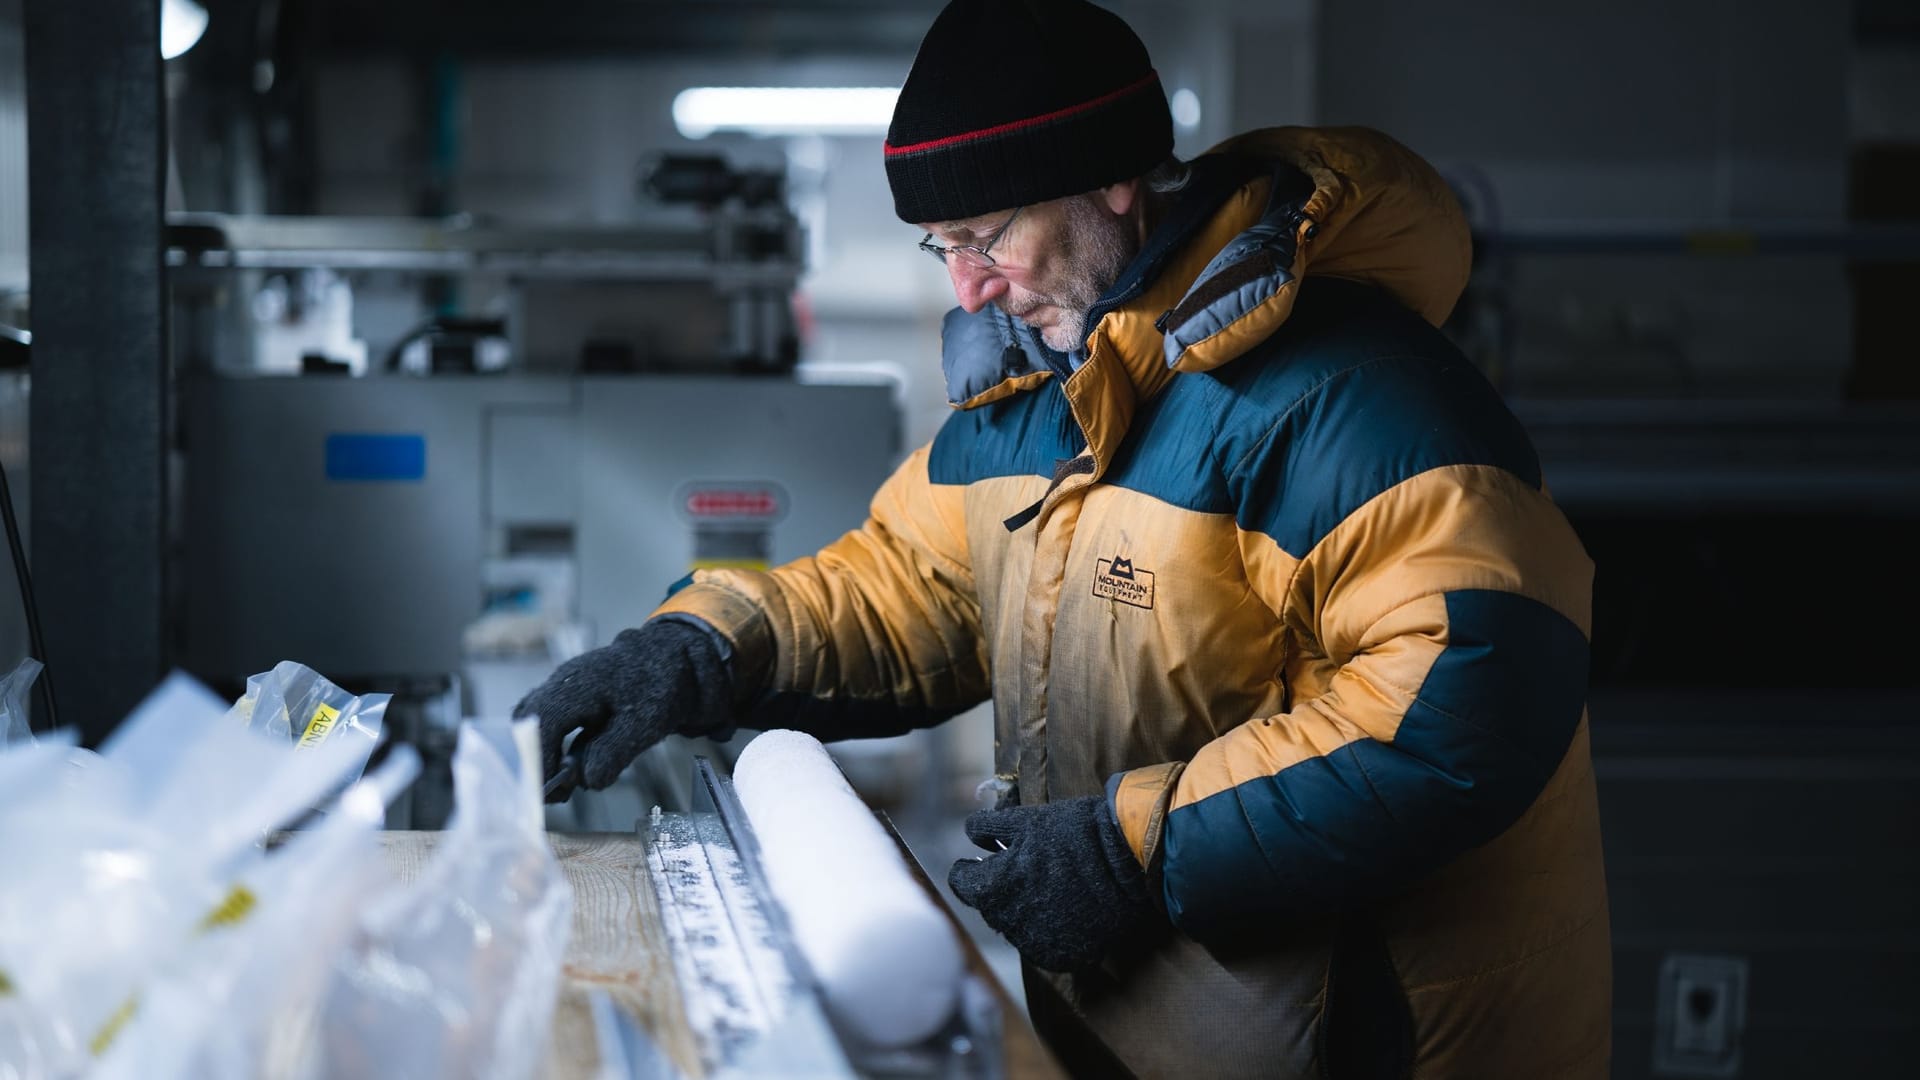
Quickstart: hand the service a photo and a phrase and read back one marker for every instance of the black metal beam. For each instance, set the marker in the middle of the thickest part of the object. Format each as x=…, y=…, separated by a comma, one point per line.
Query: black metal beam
x=576, y=28
x=96, y=158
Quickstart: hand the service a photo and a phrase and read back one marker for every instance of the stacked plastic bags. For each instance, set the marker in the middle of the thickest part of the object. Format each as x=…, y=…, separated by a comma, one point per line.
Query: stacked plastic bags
x=148, y=929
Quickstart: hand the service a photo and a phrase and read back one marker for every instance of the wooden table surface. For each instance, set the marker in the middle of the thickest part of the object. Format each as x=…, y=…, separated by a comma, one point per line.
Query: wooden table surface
x=617, y=946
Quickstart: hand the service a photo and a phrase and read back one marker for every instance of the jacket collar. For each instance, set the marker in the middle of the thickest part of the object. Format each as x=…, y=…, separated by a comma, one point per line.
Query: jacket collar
x=982, y=353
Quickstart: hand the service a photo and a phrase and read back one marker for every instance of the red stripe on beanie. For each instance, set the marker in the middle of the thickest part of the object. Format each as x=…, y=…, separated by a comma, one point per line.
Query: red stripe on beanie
x=1015, y=125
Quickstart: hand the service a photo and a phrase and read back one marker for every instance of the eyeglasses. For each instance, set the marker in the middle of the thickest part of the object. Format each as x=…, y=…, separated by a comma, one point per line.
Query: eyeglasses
x=976, y=257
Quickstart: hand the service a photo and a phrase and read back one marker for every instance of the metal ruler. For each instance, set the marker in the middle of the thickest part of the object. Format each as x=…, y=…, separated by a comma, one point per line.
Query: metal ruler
x=752, y=1003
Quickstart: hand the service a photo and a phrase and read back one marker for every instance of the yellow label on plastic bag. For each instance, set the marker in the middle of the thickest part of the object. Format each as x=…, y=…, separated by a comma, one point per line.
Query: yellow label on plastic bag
x=318, y=728
x=6, y=984
x=237, y=905
x=111, y=1029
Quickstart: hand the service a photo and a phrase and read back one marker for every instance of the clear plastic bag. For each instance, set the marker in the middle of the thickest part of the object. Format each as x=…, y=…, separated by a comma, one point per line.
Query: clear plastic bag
x=15, y=707
x=112, y=866
x=295, y=702
x=456, y=975
x=148, y=930
x=244, y=1004
x=31, y=771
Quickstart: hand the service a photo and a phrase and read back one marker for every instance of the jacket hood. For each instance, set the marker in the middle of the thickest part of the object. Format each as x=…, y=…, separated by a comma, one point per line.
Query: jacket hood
x=1358, y=206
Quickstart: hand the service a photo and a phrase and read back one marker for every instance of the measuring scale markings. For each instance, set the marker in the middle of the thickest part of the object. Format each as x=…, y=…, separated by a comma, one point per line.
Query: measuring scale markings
x=728, y=960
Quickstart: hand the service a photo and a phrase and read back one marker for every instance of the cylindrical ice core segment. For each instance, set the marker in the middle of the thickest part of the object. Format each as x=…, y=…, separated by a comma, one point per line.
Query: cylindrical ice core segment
x=884, y=954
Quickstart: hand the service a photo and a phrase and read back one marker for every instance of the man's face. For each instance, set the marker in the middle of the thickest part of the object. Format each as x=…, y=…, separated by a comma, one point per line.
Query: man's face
x=1050, y=267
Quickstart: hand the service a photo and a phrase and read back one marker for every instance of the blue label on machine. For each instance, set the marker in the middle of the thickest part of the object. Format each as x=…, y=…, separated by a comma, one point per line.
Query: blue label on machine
x=376, y=457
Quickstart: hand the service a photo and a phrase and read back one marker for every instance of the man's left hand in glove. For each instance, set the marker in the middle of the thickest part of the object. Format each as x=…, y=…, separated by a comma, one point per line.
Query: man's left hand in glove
x=1066, y=889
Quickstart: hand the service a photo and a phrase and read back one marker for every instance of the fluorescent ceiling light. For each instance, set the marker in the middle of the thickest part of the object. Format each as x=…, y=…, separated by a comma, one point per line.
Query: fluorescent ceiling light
x=784, y=110
x=181, y=24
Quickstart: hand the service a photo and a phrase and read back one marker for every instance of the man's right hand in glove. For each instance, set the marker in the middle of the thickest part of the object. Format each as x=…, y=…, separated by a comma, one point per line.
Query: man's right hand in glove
x=666, y=677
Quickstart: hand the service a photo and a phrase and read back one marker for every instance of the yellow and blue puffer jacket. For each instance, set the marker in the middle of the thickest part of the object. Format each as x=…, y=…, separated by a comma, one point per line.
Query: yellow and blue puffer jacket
x=1275, y=569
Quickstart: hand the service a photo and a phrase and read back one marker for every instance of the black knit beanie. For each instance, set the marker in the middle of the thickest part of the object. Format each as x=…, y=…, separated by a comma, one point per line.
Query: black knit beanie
x=1012, y=102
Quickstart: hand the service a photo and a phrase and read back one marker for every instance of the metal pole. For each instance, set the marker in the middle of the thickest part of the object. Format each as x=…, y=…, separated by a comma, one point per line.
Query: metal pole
x=96, y=167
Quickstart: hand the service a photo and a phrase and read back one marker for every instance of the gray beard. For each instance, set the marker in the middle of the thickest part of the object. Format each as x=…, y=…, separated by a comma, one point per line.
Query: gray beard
x=1099, y=247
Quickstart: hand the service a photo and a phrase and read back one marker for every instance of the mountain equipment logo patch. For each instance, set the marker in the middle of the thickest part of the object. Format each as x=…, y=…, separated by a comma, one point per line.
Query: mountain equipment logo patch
x=1117, y=579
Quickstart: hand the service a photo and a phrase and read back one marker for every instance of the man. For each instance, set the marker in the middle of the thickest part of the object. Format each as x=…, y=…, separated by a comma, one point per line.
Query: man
x=1286, y=642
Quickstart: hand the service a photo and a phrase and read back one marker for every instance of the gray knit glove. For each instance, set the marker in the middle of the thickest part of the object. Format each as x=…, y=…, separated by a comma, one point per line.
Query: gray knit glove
x=666, y=677
x=1065, y=890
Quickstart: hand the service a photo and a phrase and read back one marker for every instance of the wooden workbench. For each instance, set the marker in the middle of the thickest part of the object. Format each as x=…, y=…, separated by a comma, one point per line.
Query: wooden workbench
x=617, y=946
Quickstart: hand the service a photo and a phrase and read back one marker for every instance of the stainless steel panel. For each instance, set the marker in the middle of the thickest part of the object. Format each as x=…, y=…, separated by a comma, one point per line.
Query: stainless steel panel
x=533, y=465
x=353, y=578
x=379, y=577
x=828, y=448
